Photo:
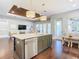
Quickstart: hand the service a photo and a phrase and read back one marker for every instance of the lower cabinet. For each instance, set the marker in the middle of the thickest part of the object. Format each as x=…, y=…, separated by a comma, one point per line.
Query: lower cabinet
x=40, y=44
x=36, y=45
x=49, y=40
x=44, y=42
x=30, y=48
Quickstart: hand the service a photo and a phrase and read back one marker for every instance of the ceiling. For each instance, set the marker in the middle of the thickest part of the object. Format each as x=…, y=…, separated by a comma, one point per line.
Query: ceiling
x=44, y=7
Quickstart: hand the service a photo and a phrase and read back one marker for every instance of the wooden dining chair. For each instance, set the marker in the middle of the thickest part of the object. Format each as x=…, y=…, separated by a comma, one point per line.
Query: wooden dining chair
x=67, y=42
x=63, y=40
x=70, y=41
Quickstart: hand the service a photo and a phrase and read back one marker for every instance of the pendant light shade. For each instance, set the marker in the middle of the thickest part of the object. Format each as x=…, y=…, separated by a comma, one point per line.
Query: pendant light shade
x=43, y=18
x=30, y=14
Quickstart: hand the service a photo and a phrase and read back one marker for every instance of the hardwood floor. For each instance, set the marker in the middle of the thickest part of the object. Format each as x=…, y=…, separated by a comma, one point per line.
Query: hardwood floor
x=6, y=49
x=57, y=51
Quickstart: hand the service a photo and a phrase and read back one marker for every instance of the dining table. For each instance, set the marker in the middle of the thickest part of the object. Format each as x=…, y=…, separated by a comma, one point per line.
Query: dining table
x=71, y=40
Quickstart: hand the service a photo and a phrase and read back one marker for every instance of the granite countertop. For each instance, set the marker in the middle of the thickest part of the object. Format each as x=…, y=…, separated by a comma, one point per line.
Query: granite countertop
x=28, y=36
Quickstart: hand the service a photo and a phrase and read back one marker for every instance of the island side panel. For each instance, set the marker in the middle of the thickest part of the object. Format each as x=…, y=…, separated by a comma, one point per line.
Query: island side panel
x=20, y=48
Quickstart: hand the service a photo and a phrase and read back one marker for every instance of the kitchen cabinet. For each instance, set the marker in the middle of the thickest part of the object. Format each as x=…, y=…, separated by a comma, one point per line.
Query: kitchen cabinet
x=40, y=43
x=44, y=42
x=28, y=46
x=49, y=40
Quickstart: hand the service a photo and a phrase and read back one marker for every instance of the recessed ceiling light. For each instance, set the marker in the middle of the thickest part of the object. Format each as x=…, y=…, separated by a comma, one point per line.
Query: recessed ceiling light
x=43, y=4
x=74, y=5
x=71, y=0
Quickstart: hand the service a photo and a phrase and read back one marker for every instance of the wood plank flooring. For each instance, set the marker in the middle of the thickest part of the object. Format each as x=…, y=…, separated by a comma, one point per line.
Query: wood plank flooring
x=57, y=51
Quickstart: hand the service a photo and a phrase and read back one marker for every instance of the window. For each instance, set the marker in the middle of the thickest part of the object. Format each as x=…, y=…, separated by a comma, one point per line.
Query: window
x=37, y=27
x=4, y=28
x=43, y=27
x=73, y=25
x=49, y=28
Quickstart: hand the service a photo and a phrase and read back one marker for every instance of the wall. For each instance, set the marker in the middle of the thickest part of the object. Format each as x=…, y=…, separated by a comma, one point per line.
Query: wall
x=64, y=17
x=10, y=24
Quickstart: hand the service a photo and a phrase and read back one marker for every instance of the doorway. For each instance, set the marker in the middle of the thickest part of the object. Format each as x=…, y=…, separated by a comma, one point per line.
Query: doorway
x=58, y=28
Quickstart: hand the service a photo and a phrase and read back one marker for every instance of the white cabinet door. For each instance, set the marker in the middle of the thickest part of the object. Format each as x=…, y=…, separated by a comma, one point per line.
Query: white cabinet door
x=30, y=48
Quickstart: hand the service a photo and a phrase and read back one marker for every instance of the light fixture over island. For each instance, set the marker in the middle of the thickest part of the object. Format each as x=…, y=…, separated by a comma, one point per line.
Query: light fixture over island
x=15, y=10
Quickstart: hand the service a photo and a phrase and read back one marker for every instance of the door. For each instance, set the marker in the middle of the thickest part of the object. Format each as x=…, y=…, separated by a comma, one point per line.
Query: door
x=58, y=28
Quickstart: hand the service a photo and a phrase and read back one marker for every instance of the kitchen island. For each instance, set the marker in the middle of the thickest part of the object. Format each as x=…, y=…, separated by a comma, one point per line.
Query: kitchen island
x=27, y=46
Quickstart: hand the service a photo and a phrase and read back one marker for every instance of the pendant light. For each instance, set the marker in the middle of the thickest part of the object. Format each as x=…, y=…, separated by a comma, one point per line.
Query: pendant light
x=43, y=18
x=30, y=14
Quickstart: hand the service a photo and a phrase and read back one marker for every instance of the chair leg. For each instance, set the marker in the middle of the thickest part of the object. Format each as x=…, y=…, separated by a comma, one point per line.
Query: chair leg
x=71, y=44
x=68, y=44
